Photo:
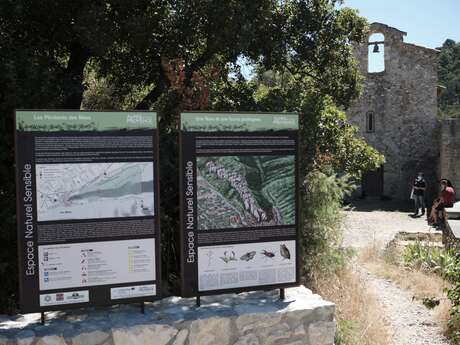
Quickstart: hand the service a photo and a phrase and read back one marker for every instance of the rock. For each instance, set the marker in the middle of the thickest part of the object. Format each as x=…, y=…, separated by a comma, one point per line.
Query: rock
x=181, y=337
x=144, y=334
x=212, y=331
x=51, y=340
x=90, y=338
x=249, y=322
x=4, y=340
x=299, y=331
x=325, y=313
x=300, y=317
x=249, y=339
x=76, y=317
x=321, y=333
x=275, y=334
x=25, y=337
x=253, y=318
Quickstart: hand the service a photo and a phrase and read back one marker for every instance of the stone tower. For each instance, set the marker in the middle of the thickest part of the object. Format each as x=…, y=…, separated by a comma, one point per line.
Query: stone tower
x=397, y=113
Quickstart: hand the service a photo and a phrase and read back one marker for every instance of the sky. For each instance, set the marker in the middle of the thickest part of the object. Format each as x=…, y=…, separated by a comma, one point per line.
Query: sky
x=427, y=22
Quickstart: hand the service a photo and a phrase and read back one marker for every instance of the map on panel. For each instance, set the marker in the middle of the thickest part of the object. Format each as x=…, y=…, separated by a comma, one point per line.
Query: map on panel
x=94, y=190
x=245, y=191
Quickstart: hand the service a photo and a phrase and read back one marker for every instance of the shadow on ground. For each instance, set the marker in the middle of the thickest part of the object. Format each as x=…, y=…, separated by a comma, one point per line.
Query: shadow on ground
x=369, y=205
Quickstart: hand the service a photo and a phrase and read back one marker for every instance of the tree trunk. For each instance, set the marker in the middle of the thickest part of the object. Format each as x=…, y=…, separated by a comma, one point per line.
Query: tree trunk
x=79, y=56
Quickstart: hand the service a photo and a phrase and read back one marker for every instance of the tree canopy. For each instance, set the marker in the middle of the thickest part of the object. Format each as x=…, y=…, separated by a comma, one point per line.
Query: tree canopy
x=449, y=77
x=173, y=55
x=47, y=45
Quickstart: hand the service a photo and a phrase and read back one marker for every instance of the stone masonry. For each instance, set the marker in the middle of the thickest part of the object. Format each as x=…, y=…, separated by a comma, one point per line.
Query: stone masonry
x=252, y=318
x=403, y=99
x=449, y=164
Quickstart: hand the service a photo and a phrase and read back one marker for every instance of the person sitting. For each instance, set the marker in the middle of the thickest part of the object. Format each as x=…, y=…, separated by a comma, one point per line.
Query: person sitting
x=445, y=199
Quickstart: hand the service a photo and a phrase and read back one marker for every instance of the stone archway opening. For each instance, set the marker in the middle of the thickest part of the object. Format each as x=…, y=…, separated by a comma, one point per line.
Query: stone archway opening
x=376, y=53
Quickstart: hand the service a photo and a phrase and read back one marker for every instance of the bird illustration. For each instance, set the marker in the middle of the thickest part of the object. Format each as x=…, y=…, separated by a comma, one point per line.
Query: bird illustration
x=248, y=256
x=227, y=258
x=268, y=254
x=284, y=251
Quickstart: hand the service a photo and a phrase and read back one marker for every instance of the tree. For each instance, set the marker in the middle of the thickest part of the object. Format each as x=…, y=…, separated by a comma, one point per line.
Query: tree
x=329, y=142
x=48, y=47
x=449, y=76
x=174, y=55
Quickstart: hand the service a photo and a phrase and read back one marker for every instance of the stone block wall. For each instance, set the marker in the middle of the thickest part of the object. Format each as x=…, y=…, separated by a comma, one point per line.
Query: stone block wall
x=450, y=152
x=254, y=318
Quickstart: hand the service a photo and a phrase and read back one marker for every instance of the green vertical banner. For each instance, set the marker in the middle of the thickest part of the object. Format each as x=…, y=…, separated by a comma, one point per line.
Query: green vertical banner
x=87, y=208
x=239, y=202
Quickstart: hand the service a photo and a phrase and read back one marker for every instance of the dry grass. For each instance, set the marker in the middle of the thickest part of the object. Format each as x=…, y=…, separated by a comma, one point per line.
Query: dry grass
x=421, y=284
x=386, y=264
x=358, y=310
x=442, y=314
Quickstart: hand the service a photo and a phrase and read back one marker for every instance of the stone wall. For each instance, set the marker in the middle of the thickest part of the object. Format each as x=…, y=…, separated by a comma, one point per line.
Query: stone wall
x=450, y=152
x=245, y=319
x=404, y=101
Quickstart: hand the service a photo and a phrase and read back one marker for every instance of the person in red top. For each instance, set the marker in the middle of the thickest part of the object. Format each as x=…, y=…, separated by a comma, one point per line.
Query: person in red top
x=445, y=199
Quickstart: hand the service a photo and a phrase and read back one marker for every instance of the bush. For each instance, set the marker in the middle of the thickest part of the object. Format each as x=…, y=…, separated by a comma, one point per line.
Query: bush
x=322, y=221
x=428, y=258
x=452, y=273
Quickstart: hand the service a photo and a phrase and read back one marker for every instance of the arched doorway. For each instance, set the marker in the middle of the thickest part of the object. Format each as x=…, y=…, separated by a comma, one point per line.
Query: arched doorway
x=372, y=183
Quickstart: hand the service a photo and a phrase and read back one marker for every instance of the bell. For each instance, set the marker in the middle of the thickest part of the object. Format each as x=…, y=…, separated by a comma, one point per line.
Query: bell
x=376, y=48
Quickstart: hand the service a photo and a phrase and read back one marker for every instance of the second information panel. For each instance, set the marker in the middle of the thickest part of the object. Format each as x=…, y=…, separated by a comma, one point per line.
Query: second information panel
x=239, y=202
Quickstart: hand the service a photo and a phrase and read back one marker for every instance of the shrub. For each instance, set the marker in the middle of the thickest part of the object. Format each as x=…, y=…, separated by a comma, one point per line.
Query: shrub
x=322, y=220
x=428, y=258
x=452, y=273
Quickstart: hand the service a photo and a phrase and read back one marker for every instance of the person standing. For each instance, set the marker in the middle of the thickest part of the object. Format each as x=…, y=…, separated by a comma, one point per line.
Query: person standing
x=419, y=187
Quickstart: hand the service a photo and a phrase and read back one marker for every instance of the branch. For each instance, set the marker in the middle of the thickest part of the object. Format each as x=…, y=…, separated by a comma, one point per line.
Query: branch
x=198, y=64
x=161, y=84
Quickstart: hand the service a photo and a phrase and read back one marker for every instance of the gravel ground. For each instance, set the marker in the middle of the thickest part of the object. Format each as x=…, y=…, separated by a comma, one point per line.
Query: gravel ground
x=411, y=323
x=378, y=222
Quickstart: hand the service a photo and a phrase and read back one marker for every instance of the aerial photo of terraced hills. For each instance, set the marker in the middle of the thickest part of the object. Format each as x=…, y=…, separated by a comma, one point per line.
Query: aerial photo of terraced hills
x=245, y=191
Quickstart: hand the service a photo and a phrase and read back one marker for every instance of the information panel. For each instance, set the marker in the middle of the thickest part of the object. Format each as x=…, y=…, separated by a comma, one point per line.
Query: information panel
x=87, y=208
x=239, y=202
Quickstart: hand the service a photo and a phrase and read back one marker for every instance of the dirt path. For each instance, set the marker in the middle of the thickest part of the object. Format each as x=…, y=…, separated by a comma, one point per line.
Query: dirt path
x=410, y=322
x=369, y=224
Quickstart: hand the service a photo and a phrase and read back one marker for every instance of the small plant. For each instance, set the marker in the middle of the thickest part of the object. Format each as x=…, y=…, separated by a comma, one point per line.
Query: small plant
x=391, y=255
x=430, y=302
x=428, y=258
x=344, y=333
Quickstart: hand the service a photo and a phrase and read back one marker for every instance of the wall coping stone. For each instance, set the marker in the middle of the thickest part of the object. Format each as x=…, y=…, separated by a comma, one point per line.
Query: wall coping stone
x=248, y=318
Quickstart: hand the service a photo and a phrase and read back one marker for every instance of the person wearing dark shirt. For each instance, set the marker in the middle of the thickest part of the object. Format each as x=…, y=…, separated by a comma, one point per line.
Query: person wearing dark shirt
x=419, y=187
x=446, y=199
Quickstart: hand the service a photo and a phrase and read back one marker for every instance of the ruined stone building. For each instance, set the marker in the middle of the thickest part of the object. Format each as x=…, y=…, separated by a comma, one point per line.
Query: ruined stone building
x=397, y=111
x=449, y=162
